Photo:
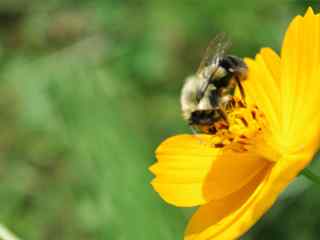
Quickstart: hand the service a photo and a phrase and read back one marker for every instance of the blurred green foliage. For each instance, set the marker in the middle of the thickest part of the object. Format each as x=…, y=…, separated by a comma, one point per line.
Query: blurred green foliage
x=90, y=88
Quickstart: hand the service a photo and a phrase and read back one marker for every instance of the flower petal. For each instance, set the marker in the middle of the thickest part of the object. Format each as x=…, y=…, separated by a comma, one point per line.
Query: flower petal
x=231, y=217
x=262, y=85
x=190, y=171
x=183, y=163
x=231, y=171
x=300, y=83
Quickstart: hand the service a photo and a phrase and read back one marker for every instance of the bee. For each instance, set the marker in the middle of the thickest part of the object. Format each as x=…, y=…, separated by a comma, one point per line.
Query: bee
x=208, y=95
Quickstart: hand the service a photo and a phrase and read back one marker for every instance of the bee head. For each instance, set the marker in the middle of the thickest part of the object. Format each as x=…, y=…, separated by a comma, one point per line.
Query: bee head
x=234, y=65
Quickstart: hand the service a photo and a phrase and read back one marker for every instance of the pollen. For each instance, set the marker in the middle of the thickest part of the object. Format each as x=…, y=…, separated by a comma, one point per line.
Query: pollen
x=244, y=122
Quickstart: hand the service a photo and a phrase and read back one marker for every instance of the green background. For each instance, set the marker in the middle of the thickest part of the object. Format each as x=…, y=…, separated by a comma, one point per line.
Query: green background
x=88, y=89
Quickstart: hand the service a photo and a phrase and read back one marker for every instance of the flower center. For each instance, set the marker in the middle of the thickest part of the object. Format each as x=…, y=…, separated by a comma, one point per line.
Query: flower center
x=243, y=124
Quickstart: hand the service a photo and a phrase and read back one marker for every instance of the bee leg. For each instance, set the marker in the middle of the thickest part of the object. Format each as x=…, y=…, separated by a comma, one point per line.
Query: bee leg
x=223, y=115
x=243, y=95
x=230, y=104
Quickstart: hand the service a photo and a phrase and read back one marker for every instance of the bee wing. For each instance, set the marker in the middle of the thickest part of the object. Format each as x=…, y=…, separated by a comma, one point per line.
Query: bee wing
x=215, y=51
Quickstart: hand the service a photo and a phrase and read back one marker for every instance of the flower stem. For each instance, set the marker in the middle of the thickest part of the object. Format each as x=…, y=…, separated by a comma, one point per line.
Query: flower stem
x=311, y=176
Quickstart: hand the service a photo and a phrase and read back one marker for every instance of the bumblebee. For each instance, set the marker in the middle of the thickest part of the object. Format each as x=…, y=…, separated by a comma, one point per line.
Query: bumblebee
x=208, y=96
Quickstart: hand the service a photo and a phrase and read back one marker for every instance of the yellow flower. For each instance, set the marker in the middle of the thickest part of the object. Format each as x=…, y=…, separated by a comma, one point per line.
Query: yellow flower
x=236, y=183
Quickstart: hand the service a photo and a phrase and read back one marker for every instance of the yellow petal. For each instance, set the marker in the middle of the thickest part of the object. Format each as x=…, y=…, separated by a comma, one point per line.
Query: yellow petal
x=231, y=217
x=300, y=83
x=183, y=164
x=262, y=86
x=190, y=171
x=231, y=171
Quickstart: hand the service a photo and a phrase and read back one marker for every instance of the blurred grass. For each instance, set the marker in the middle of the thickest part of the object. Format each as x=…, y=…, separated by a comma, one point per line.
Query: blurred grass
x=88, y=90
